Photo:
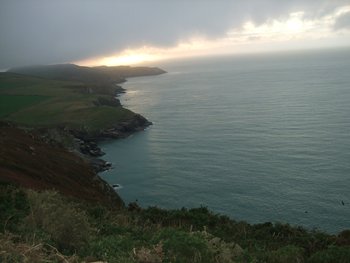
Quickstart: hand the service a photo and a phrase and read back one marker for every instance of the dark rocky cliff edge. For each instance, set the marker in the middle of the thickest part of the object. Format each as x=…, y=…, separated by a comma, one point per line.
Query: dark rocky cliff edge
x=27, y=160
x=87, y=142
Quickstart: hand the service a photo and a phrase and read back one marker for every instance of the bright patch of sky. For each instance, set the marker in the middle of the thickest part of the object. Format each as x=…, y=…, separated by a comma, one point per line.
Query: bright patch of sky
x=295, y=31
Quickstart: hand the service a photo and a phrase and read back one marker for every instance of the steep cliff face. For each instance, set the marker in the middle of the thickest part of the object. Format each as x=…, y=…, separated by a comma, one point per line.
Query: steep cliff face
x=27, y=160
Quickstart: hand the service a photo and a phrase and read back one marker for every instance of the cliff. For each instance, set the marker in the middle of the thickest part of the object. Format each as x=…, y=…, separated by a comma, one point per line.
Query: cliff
x=28, y=160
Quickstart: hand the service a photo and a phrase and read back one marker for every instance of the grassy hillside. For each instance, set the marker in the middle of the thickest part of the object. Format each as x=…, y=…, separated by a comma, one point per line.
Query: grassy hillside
x=41, y=102
x=47, y=227
x=13, y=103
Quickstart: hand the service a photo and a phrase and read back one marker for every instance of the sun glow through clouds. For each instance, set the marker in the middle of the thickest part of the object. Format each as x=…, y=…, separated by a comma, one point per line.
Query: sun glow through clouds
x=295, y=23
x=129, y=58
x=294, y=30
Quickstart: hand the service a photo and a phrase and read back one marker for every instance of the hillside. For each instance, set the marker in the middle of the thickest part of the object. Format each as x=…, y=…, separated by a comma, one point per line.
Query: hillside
x=38, y=102
x=72, y=72
x=79, y=98
x=27, y=160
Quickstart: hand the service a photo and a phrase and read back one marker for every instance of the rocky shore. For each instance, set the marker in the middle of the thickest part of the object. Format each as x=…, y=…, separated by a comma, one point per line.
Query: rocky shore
x=87, y=143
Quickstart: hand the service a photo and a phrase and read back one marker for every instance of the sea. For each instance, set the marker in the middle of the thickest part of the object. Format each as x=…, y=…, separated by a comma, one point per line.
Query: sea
x=259, y=137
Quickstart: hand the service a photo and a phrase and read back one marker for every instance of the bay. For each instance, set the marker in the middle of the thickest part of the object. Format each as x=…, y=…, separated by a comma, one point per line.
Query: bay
x=262, y=137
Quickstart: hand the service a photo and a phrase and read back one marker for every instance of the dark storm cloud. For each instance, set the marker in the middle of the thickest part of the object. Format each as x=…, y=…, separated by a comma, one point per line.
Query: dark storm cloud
x=34, y=31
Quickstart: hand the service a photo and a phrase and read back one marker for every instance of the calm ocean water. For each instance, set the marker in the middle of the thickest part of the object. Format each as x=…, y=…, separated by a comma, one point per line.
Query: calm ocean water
x=259, y=138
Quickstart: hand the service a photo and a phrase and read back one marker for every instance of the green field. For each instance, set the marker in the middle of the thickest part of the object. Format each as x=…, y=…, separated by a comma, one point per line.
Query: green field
x=41, y=103
x=13, y=103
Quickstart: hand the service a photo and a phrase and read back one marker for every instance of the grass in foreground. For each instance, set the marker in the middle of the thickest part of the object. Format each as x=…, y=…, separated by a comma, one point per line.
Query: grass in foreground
x=47, y=227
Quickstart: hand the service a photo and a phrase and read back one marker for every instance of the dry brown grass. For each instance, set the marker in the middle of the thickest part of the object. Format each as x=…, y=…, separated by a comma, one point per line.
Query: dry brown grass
x=149, y=255
x=13, y=251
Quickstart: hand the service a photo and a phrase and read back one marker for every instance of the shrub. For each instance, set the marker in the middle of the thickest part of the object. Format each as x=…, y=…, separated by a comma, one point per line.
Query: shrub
x=180, y=246
x=344, y=238
x=331, y=255
x=14, y=206
x=67, y=224
x=11, y=251
x=114, y=248
x=149, y=255
x=287, y=254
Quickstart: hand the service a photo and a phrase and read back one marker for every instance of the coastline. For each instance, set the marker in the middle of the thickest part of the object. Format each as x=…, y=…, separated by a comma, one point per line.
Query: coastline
x=87, y=144
x=84, y=111
x=139, y=230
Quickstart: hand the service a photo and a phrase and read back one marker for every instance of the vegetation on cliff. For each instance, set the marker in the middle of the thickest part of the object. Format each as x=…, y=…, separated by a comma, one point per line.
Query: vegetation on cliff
x=47, y=227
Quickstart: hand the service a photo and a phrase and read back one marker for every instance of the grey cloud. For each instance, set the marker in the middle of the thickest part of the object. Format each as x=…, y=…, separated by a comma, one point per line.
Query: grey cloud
x=44, y=31
x=343, y=22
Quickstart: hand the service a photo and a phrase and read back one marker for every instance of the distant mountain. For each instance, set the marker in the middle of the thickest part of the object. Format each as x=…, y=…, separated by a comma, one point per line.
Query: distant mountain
x=72, y=72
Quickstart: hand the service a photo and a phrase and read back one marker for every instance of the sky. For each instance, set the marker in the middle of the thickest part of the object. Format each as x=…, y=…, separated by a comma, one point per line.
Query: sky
x=120, y=32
